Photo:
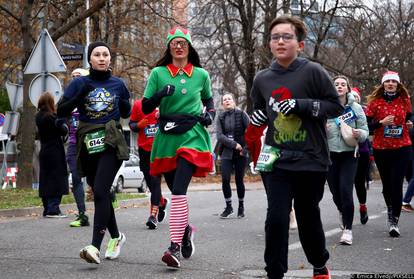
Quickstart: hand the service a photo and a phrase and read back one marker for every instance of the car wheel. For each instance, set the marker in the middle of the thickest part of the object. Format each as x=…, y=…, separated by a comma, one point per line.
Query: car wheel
x=119, y=185
x=143, y=187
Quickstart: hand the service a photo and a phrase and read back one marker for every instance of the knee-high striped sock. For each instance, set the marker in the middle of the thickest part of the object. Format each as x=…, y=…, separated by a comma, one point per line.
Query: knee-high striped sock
x=178, y=217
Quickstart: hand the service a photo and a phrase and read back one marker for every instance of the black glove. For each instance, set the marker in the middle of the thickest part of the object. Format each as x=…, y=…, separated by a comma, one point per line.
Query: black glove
x=259, y=117
x=206, y=119
x=62, y=125
x=168, y=90
x=289, y=106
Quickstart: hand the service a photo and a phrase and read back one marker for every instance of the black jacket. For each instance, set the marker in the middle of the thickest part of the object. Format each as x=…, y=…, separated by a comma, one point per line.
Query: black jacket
x=53, y=177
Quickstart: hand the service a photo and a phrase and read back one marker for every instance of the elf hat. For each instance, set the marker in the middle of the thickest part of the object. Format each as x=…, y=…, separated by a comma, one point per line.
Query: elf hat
x=390, y=75
x=179, y=32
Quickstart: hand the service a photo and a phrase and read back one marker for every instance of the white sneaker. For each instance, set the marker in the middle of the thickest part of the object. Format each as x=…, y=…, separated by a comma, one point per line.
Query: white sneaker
x=346, y=238
x=114, y=247
x=90, y=254
x=293, y=225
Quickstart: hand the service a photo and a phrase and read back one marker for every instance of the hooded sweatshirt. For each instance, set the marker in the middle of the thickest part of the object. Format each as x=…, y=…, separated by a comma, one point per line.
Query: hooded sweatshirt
x=301, y=137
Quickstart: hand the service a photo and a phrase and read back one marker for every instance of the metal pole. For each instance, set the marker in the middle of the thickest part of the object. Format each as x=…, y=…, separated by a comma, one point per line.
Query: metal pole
x=87, y=27
x=44, y=60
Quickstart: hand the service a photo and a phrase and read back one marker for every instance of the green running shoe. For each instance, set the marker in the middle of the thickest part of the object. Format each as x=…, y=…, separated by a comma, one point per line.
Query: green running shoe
x=81, y=220
x=114, y=247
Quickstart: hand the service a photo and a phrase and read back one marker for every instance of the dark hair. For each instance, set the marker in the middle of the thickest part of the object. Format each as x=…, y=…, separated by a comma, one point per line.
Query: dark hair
x=46, y=103
x=166, y=59
x=297, y=23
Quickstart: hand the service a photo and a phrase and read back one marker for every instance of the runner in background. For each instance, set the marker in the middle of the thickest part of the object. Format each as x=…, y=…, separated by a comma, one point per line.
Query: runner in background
x=146, y=125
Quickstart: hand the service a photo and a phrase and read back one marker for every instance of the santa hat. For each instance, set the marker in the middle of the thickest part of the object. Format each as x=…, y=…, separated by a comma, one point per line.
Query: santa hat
x=356, y=91
x=390, y=75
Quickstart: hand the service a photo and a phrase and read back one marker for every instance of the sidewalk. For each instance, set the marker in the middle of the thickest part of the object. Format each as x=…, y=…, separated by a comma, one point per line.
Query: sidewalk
x=142, y=202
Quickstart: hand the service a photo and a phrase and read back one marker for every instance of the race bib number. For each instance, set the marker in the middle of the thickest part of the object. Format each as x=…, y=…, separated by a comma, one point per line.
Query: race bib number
x=95, y=142
x=348, y=117
x=393, y=131
x=268, y=155
x=151, y=130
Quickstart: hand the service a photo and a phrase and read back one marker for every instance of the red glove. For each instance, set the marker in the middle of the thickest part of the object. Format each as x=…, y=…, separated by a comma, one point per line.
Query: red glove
x=253, y=140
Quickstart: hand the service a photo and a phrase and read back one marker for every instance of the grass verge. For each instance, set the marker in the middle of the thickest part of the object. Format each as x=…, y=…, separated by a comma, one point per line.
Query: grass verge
x=19, y=198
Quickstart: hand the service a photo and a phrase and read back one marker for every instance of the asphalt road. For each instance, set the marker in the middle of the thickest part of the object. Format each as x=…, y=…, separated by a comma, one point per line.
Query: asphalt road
x=37, y=247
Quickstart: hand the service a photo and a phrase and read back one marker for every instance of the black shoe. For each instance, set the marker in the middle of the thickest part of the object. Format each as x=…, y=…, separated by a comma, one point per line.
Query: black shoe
x=394, y=230
x=228, y=211
x=162, y=210
x=151, y=223
x=81, y=220
x=240, y=212
x=172, y=256
x=363, y=214
x=187, y=246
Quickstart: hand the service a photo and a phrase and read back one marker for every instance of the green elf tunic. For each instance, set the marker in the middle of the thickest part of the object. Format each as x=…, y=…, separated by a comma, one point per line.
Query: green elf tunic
x=192, y=84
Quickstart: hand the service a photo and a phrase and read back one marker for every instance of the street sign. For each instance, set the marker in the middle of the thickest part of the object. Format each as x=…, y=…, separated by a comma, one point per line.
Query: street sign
x=44, y=57
x=11, y=123
x=15, y=93
x=72, y=57
x=1, y=119
x=72, y=46
x=52, y=85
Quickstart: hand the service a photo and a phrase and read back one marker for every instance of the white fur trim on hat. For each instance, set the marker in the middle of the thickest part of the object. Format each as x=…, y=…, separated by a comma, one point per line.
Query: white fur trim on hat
x=390, y=76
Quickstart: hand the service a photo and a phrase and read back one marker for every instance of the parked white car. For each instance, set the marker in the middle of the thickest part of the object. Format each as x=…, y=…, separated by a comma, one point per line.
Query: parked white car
x=129, y=175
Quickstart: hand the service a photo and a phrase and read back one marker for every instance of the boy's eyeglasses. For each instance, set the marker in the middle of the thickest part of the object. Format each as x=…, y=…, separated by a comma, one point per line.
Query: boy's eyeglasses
x=285, y=37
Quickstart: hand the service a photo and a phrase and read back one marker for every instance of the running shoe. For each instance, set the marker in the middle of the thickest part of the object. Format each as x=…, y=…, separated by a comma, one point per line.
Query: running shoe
x=162, y=210
x=240, y=212
x=363, y=213
x=407, y=208
x=81, y=220
x=321, y=273
x=172, y=256
x=56, y=215
x=90, y=254
x=187, y=246
x=152, y=223
x=394, y=230
x=227, y=213
x=346, y=238
x=114, y=247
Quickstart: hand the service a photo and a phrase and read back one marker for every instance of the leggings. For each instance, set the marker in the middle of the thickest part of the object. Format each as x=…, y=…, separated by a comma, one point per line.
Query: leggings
x=392, y=165
x=361, y=177
x=100, y=173
x=153, y=182
x=341, y=177
x=239, y=164
x=179, y=179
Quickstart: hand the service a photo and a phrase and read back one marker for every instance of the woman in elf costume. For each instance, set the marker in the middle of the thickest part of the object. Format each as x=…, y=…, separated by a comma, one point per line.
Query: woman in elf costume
x=181, y=149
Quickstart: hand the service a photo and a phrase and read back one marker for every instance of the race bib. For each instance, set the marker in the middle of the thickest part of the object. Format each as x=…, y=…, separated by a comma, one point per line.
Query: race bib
x=95, y=141
x=393, y=131
x=151, y=130
x=348, y=117
x=268, y=155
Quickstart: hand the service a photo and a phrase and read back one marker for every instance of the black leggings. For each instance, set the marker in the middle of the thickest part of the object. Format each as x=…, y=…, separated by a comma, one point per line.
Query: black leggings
x=239, y=164
x=100, y=170
x=153, y=182
x=341, y=177
x=179, y=179
x=361, y=177
x=392, y=165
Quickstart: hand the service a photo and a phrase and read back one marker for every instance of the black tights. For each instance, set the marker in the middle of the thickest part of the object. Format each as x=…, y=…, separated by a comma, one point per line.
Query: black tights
x=179, y=179
x=100, y=170
x=153, y=182
x=239, y=164
x=361, y=177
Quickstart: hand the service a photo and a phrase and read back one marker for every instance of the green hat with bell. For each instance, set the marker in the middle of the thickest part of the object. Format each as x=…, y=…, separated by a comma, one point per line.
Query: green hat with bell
x=179, y=32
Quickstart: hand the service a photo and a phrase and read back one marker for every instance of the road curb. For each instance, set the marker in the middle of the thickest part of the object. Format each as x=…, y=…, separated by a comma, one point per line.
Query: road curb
x=38, y=210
